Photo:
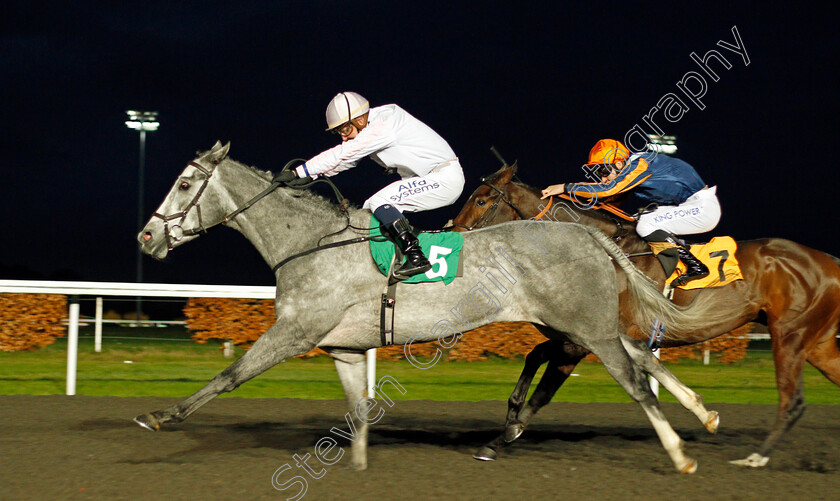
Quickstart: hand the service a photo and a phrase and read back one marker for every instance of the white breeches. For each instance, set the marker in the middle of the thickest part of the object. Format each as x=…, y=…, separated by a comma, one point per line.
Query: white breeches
x=698, y=214
x=439, y=188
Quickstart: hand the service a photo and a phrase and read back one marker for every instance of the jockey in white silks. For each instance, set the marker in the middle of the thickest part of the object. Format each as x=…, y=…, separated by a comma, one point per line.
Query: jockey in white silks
x=431, y=176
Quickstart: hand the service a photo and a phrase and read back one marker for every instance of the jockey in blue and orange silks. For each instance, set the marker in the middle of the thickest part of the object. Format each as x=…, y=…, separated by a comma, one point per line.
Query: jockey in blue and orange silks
x=685, y=205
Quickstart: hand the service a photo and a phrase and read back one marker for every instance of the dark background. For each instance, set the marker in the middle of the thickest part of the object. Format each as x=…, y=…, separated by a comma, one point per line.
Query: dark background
x=542, y=82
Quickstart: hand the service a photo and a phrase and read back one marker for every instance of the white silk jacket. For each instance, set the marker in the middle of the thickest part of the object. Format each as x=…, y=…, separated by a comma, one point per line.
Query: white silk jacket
x=393, y=138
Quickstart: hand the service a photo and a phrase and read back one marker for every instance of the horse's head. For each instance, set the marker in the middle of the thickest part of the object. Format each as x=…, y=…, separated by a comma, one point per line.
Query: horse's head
x=179, y=217
x=490, y=203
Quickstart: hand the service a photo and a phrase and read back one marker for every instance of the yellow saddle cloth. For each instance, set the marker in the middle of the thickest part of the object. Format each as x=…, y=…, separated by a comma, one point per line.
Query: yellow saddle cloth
x=719, y=255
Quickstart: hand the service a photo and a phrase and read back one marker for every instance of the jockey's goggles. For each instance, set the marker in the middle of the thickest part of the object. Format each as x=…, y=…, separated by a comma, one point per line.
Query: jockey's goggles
x=602, y=170
x=343, y=130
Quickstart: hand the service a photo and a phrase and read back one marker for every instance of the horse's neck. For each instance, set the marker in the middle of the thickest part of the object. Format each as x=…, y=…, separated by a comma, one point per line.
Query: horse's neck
x=284, y=222
x=565, y=211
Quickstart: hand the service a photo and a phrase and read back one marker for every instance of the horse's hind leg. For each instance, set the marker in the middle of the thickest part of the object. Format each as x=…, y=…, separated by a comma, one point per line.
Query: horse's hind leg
x=825, y=355
x=789, y=354
x=640, y=353
x=621, y=367
x=352, y=372
x=270, y=349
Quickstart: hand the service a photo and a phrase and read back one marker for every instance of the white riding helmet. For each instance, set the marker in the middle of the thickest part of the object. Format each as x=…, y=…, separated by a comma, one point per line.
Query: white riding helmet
x=345, y=106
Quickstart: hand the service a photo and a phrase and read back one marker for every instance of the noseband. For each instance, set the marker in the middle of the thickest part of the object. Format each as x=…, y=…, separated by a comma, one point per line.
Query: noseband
x=176, y=232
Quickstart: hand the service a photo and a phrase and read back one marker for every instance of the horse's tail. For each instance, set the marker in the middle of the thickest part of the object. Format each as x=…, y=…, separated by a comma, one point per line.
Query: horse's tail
x=651, y=305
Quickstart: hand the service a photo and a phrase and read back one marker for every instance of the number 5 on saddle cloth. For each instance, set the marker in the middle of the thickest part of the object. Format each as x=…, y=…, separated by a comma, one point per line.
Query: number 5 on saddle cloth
x=442, y=248
x=444, y=252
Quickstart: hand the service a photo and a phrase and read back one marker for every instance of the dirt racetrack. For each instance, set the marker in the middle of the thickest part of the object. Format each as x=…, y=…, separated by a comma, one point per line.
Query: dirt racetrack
x=57, y=447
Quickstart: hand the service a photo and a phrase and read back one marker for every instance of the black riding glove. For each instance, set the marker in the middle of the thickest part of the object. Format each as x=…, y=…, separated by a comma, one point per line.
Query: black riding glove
x=283, y=177
x=300, y=181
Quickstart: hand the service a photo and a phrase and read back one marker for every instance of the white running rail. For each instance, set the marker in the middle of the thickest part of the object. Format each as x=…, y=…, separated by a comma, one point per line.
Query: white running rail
x=99, y=289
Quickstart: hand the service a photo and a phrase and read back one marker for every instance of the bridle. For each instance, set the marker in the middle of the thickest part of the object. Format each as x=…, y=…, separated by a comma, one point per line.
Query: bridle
x=490, y=213
x=176, y=232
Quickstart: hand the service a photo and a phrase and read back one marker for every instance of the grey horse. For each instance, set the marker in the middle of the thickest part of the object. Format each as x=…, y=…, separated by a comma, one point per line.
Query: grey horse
x=558, y=277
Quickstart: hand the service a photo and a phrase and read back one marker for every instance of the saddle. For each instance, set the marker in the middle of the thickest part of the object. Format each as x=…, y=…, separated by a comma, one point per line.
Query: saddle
x=719, y=256
x=442, y=248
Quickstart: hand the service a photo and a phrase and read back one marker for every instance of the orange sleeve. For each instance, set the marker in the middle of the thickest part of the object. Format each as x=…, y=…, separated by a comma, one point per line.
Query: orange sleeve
x=624, y=182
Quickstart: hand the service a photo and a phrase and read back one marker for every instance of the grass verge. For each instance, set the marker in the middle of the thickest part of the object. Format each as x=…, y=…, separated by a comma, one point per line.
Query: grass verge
x=175, y=368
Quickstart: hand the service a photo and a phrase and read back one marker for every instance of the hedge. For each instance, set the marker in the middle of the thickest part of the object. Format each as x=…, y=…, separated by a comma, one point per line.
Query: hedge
x=244, y=320
x=31, y=321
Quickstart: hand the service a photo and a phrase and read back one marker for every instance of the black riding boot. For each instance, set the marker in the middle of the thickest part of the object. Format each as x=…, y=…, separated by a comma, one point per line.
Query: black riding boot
x=693, y=267
x=405, y=238
x=669, y=248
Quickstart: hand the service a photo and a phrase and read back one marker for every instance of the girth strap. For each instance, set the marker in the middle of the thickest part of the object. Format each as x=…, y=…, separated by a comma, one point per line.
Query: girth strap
x=386, y=320
x=388, y=307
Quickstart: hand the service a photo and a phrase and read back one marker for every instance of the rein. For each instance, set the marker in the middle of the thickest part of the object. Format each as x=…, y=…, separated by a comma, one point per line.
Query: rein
x=605, y=207
x=620, y=233
x=341, y=243
x=176, y=232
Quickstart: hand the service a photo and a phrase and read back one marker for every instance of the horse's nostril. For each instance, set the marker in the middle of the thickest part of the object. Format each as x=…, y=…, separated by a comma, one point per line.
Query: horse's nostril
x=147, y=236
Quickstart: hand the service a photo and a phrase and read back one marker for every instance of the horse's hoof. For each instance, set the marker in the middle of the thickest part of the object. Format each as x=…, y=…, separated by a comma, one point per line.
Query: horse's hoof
x=485, y=454
x=754, y=460
x=713, y=422
x=690, y=468
x=148, y=421
x=513, y=432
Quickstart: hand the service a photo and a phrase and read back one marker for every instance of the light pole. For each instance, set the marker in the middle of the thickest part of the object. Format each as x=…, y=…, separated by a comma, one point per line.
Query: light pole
x=141, y=121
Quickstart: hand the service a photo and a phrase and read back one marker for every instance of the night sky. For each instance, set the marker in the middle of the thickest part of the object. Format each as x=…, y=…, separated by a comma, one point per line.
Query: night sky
x=541, y=82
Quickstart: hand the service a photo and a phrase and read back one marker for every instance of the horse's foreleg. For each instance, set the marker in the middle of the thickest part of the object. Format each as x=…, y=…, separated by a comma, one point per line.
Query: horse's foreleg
x=640, y=353
x=270, y=349
x=538, y=356
x=565, y=355
x=558, y=370
x=560, y=367
x=620, y=366
x=352, y=372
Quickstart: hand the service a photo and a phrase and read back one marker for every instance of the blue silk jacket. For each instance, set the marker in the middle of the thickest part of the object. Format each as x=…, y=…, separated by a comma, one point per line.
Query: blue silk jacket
x=653, y=177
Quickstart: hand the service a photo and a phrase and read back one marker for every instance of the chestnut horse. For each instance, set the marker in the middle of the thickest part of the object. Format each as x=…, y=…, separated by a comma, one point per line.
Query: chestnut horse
x=791, y=288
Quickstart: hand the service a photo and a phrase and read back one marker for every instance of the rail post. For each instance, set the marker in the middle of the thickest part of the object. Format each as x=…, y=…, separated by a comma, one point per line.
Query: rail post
x=72, y=345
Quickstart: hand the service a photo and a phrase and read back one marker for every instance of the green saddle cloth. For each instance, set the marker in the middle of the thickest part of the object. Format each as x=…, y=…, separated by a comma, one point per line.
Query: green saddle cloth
x=443, y=250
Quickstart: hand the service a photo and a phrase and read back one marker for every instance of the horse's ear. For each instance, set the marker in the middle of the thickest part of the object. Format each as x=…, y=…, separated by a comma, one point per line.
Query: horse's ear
x=505, y=174
x=218, y=152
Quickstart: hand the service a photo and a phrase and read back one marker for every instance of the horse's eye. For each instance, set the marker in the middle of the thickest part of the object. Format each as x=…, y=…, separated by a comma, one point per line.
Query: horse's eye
x=481, y=202
x=184, y=186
